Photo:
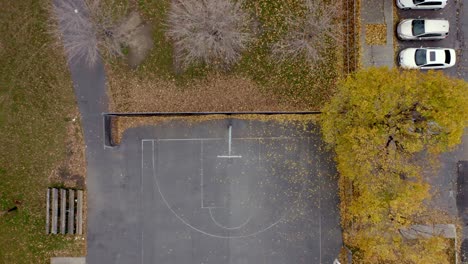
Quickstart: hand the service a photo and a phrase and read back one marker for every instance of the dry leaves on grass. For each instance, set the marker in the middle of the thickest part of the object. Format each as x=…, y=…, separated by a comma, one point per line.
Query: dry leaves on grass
x=216, y=93
x=208, y=31
x=71, y=172
x=305, y=37
x=376, y=34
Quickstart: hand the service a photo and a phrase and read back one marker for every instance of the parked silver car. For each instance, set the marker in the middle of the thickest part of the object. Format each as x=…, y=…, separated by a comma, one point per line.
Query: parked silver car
x=427, y=58
x=423, y=29
x=421, y=4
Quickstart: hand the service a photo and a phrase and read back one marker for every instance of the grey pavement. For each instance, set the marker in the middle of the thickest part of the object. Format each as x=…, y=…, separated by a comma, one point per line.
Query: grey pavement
x=377, y=12
x=276, y=203
x=443, y=181
x=462, y=33
x=462, y=194
x=462, y=72
x=68, y=260
x=462, y=203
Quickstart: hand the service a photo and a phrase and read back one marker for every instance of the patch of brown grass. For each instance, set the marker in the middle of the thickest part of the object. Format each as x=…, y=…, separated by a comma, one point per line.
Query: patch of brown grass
x=71, y=171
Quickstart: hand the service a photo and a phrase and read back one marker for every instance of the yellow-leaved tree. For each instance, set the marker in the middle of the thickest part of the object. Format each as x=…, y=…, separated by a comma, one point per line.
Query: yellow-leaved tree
x=376, y=122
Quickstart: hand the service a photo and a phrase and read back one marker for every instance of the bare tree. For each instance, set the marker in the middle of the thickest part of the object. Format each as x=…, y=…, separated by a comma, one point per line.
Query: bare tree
x=209, y=31
x=86, y=27
x=308, y=35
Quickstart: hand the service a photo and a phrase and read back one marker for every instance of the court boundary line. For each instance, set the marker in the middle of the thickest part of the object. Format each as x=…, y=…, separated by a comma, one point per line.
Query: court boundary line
x=141, y=203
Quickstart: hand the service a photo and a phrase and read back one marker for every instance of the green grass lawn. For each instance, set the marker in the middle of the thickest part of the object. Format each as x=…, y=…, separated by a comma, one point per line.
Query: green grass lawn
x=36, y=103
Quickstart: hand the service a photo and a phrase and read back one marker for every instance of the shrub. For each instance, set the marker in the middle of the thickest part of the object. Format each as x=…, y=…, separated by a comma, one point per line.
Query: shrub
x=307, y=35
x=208, y=31
x=85, y=28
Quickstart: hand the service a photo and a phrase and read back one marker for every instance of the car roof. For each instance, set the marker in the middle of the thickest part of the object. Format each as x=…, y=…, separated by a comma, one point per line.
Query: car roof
x=435, y=55
x=436, y=25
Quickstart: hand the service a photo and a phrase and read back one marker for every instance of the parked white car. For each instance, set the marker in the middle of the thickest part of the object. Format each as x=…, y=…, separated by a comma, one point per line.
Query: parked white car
x=423, y=29
x=421, y=4
x=427, y=58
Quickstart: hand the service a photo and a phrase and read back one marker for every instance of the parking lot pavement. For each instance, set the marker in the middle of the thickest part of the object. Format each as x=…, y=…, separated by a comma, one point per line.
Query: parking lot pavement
x=462, y=203
x=462, y=67
x=452, y=13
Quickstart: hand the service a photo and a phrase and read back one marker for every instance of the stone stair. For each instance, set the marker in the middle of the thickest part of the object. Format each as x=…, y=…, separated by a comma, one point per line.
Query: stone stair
x=64, y=211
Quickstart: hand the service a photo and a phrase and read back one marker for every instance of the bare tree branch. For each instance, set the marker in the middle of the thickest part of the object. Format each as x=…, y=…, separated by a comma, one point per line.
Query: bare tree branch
x=308, y=34
x=86, y=27
x=208, y=31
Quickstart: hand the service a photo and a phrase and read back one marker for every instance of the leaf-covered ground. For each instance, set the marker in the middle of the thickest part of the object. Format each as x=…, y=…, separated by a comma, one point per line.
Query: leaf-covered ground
x=376, y=34
x=256, y=82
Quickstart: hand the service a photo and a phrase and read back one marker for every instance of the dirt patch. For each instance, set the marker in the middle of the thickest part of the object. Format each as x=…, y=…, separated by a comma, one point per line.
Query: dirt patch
x=136, y=35
x=217, y=92
x=71, y=172
x=376, y=34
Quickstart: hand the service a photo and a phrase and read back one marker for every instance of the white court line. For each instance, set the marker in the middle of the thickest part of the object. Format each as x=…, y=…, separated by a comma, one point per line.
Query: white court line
x=206, y=139
x=141, y=202
x=141, y=191
x=155, y=177
x=201, y=174
x=320, y=208
x=229, y=156
x=186, y=139
x=230, y=139
x=320, y=224
x=225, y=227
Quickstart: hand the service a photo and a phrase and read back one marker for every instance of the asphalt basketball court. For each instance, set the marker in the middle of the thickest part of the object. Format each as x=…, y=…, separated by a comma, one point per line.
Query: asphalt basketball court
x=236, y=191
